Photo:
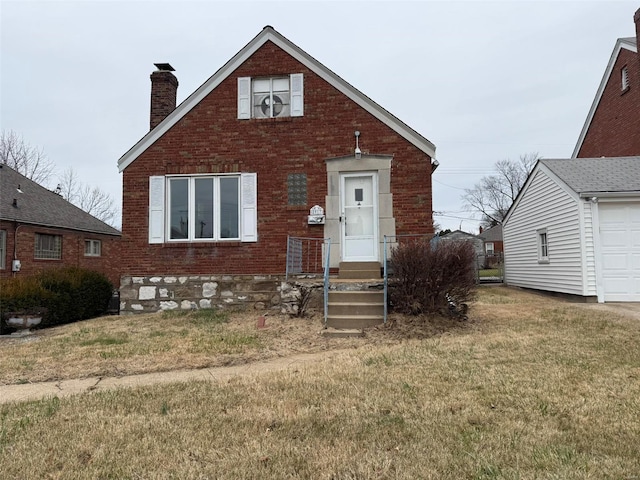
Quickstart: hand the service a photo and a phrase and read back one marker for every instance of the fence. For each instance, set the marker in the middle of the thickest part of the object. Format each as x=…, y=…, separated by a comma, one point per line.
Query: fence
x=305, y=255
x=490, y=268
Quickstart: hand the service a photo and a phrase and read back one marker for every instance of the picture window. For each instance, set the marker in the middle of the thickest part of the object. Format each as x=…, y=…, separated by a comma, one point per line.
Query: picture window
x=204, y=208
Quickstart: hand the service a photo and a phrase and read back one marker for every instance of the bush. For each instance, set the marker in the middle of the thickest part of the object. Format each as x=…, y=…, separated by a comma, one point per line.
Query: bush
x=432, y=279
x=66, y=294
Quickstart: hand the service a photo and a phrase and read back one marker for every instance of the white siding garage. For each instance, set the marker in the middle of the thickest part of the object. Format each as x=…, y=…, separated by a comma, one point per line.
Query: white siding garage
x=620, y=251
x=585, y=215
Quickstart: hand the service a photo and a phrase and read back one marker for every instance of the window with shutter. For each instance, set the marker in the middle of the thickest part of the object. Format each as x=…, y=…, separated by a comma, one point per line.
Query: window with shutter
x=270, y=97
x=203, y=208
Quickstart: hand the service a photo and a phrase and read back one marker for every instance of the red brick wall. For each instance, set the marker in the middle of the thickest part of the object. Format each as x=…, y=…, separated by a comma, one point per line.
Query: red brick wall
x=615, y=127
x=210, y=139
x=72, y=252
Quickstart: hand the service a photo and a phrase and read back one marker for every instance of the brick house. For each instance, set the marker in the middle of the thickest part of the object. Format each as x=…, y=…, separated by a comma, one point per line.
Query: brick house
x=492, y=238
x=273, y=145
x=40, y=230
x=612, y=127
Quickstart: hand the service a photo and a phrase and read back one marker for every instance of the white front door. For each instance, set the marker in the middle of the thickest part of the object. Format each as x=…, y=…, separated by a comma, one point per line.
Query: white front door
x=359, y=216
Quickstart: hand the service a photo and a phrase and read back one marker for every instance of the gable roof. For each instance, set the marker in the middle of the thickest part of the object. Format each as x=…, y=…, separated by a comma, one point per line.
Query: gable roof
x=456, y=234
x=627, y=43
x=492, y=234
x=38, y=206
x=587, y=176
x=268, y=34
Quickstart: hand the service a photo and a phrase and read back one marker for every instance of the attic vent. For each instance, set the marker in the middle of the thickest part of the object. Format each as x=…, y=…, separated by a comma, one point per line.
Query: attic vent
x=625, y=78
x=274, y=105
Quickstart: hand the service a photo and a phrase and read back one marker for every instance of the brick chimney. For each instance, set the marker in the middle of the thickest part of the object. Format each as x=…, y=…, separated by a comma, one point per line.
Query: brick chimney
x=164, y=88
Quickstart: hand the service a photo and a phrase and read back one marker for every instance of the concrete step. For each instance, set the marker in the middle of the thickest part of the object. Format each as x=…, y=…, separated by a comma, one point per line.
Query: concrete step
x=342, y=332
x=342, y=309
x=359, y=270
x=356, y=296
x=354, y=321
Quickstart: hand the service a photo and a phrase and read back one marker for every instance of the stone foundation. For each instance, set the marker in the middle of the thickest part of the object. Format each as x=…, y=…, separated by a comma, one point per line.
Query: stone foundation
x=258, y=292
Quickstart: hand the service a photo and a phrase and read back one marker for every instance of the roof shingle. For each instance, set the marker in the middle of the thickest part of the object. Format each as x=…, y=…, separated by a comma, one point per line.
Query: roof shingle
x=36, y=205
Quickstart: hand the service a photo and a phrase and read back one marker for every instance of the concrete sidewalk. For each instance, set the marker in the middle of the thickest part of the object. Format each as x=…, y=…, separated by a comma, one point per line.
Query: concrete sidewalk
x=65, y=388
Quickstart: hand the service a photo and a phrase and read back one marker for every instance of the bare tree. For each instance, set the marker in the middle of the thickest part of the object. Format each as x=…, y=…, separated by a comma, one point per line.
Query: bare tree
x=493, y=195
x=91, y=200
x=24, y=158
x=33, y=163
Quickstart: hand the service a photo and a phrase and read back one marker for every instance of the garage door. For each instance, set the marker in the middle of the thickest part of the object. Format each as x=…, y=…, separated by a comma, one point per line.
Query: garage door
x=620, y=242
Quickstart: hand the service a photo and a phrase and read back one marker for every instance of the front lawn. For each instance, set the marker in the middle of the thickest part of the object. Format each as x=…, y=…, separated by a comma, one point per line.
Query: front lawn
x=530, y=388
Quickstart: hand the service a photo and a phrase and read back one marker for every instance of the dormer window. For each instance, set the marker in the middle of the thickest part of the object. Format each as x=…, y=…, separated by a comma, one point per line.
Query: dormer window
x=625, y=78
x=270, y=97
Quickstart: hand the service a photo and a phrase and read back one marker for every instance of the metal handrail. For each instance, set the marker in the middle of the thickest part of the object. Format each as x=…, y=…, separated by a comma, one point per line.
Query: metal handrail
x=326, y=280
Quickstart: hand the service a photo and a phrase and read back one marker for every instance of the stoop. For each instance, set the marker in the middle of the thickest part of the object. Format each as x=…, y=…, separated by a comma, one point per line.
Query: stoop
x=356, y=299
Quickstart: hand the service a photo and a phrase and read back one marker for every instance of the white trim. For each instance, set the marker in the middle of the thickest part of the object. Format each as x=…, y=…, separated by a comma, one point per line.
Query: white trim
x=266, y=35
x=597, y=251
x=156, y=208
x=375, y=216
x=249, y=207
x=541, y=257
x=244, y=98
x=621, y=43
x=296, y=89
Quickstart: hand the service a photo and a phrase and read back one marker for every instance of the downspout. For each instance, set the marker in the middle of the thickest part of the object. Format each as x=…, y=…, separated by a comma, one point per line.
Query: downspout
x=15, y=247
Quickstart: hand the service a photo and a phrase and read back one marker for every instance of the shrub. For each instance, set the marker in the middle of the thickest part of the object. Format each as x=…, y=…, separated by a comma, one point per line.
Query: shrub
x=67, y=294
x=432, y=279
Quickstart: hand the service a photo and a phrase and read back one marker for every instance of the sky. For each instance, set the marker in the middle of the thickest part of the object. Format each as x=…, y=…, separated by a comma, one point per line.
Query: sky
x=482, y=80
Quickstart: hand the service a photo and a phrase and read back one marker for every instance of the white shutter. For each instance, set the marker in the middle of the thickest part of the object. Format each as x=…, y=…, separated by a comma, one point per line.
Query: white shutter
x=244, y=98
x=156, y=209
x=249, y=207
x=297, y=103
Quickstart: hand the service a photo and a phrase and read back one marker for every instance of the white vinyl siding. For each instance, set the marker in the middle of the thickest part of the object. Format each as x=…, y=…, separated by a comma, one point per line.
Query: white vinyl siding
x=544, y=205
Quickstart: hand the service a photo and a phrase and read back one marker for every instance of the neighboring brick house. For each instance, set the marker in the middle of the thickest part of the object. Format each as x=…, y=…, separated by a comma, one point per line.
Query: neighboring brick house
x=212, y=192
x=492, y=238
x=612, y=127
x=40, y=230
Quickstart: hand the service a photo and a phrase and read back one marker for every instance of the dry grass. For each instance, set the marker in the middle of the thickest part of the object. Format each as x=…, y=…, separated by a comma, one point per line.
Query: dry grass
x=115, y=346
x=531, y=388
